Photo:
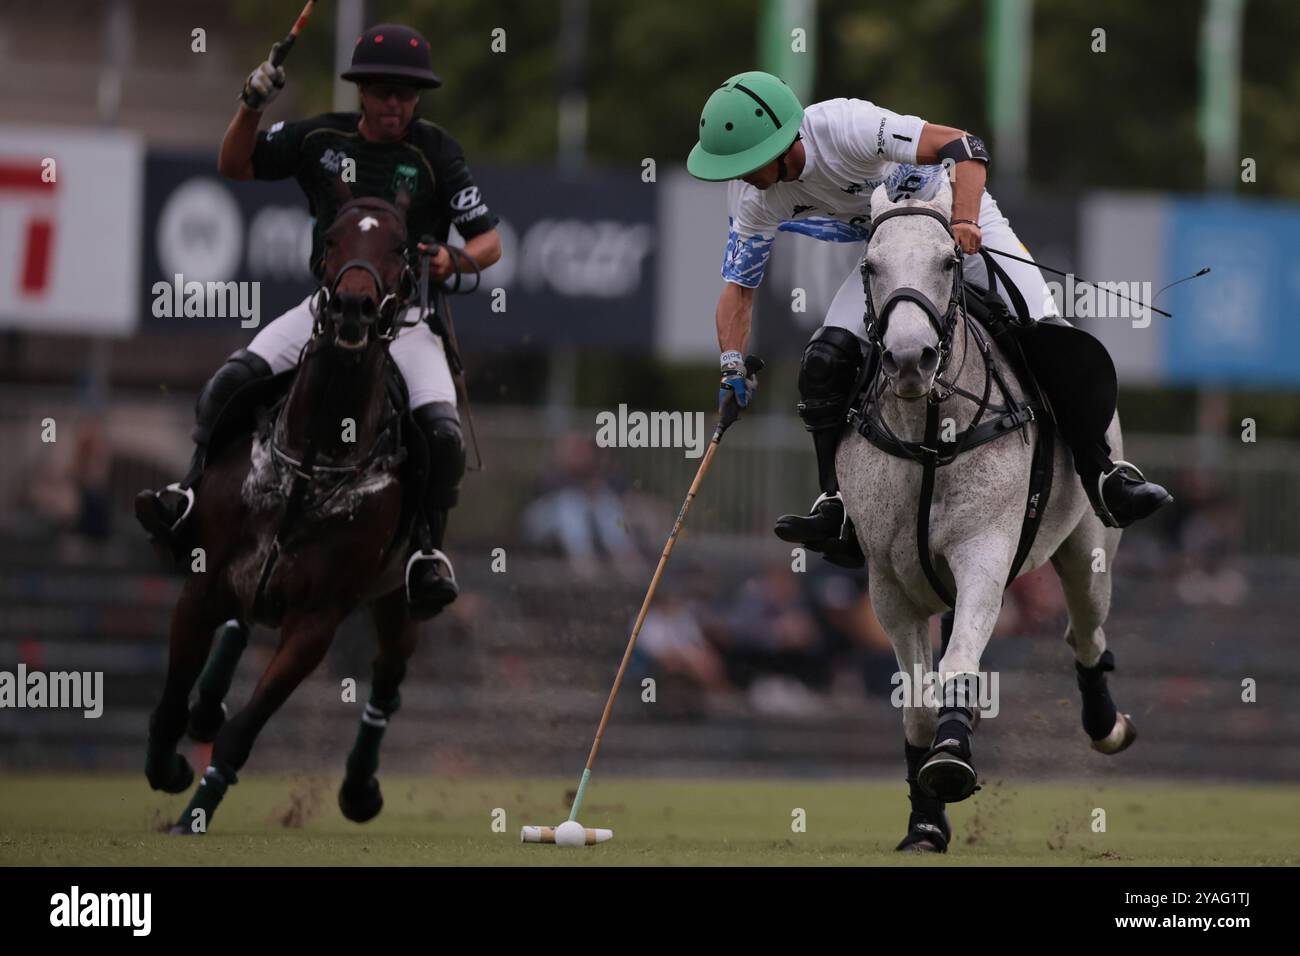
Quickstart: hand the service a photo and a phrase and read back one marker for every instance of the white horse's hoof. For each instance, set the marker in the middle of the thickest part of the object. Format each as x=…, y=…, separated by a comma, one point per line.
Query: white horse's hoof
x=1120, y=737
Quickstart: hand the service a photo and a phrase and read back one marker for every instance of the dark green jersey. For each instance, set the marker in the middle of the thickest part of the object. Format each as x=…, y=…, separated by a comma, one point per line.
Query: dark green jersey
x=427, y=159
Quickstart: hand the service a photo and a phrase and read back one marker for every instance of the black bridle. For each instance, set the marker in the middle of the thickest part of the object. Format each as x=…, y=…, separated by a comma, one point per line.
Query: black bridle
x=944, y=323
x=327, y=308
x=932, y=451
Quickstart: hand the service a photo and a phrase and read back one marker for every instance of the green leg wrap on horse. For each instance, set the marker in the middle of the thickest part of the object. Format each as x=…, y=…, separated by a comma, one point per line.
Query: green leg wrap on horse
x=197, y=816
x=363, y=759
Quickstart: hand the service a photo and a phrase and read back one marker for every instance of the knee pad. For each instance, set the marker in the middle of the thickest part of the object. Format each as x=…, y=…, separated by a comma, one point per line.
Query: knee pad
x=241, y=369
x=826, y=376
x=440, y=426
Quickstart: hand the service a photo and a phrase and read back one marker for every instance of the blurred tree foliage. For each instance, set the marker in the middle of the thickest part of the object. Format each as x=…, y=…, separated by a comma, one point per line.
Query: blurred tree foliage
x=1123, y=119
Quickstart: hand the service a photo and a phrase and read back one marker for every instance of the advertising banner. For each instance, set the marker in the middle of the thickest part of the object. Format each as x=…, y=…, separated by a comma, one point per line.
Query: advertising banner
x=69, y=230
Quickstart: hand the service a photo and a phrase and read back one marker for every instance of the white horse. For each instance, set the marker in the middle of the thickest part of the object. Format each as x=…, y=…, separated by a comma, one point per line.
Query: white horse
x=979, y=501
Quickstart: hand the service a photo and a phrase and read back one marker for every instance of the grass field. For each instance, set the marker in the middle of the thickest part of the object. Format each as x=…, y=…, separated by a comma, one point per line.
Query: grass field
x=115, y=821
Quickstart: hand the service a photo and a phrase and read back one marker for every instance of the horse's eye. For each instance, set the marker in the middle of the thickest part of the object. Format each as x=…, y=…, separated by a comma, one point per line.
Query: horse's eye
x=949, y=263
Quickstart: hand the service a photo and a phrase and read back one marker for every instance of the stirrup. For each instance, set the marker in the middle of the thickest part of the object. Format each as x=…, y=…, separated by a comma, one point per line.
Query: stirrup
x=831, y=496
x=1103, y=510
x=824, y=496
x=188, y=495
x=431, y=555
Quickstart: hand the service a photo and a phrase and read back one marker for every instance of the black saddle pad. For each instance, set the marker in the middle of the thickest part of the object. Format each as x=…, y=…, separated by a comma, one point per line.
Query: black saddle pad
x=1073, y=368
x=1076, y=373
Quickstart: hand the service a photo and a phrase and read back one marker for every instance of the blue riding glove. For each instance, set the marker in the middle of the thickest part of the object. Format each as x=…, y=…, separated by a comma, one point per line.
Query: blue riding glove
x=739, y=383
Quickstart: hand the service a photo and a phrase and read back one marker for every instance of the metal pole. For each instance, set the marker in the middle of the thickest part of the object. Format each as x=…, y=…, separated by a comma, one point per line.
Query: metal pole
x=1219, y=120
x=116, y=60
x=572, y=130
x=1220, y=112
x=349, y=23
x=777, y=50
x=1010, y=50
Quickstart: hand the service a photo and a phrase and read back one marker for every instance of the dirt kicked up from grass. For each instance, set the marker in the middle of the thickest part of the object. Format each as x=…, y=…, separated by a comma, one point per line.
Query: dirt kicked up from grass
x=294, y=820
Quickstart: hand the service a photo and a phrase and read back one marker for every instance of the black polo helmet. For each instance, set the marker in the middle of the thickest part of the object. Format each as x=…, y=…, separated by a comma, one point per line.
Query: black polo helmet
x=392, y=53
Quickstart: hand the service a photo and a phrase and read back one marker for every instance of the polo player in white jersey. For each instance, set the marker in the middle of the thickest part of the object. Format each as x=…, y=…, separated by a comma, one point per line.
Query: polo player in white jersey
x=812, y=171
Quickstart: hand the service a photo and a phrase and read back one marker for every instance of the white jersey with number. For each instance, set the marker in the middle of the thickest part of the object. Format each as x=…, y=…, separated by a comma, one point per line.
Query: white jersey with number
x=852, y=146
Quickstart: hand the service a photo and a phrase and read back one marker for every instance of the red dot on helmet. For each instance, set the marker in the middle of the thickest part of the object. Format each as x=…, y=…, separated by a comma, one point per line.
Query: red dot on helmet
x=379, y=38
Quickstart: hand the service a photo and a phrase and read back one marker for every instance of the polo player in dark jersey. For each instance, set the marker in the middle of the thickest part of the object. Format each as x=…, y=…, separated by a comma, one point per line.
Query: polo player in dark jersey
x=390, y=149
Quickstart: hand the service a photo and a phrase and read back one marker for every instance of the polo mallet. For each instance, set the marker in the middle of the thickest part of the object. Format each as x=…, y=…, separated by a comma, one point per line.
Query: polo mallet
x=282, y=50
x=726, y=418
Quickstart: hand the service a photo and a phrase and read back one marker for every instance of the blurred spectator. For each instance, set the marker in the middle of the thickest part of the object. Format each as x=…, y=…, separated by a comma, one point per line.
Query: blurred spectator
x=69, y=484
x=673, y=638
x=840, y=603
x=1034, y=606
x=1206, y=534
x=579, y=512
x=773, y=646
x=92, y=460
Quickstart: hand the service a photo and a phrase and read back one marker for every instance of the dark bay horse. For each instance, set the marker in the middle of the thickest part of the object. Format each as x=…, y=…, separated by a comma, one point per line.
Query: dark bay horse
x=297, y=525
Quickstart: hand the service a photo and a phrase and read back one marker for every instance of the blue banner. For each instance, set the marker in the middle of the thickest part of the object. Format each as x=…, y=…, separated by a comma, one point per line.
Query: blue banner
x=1240, y=325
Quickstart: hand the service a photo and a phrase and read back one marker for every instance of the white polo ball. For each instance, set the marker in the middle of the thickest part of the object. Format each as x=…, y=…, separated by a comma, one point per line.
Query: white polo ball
x=570, y=833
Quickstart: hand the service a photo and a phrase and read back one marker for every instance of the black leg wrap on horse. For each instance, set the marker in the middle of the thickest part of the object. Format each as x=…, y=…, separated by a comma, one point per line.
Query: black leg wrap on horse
x=197, y=816
x=954, y=731
x=164, y=768
x=384, y=692
x=947, y=773
x=928, y=821
x=1099, y=711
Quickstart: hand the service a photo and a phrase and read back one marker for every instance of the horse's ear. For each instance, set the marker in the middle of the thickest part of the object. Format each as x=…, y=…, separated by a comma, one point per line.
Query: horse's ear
x=403, y=200
x=879, y=200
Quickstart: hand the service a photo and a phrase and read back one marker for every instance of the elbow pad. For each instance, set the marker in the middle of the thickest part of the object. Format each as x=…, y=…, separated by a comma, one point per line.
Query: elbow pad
x=964, y=147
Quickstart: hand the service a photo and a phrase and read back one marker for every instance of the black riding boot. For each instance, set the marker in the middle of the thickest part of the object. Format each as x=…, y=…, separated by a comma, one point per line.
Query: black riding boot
x=163, y=513
x=430, y=578
x=1118, y=491
x=826, y=378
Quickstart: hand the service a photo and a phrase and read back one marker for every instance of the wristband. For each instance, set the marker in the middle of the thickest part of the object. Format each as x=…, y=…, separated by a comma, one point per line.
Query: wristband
x=971, y=221
x=732, y=359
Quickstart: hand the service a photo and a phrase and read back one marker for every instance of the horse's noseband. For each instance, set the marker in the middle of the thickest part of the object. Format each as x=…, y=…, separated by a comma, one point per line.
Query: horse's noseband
x=944, y=323
x=385, y=317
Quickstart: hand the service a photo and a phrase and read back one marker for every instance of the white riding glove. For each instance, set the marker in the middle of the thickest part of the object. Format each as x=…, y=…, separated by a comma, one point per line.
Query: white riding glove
x=263, y=84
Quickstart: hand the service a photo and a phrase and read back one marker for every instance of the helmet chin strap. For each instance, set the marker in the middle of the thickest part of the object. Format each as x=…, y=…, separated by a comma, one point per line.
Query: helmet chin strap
x=780, y=160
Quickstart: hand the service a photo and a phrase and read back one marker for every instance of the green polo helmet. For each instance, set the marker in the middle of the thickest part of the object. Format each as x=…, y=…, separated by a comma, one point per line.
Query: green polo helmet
x=750, y=120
